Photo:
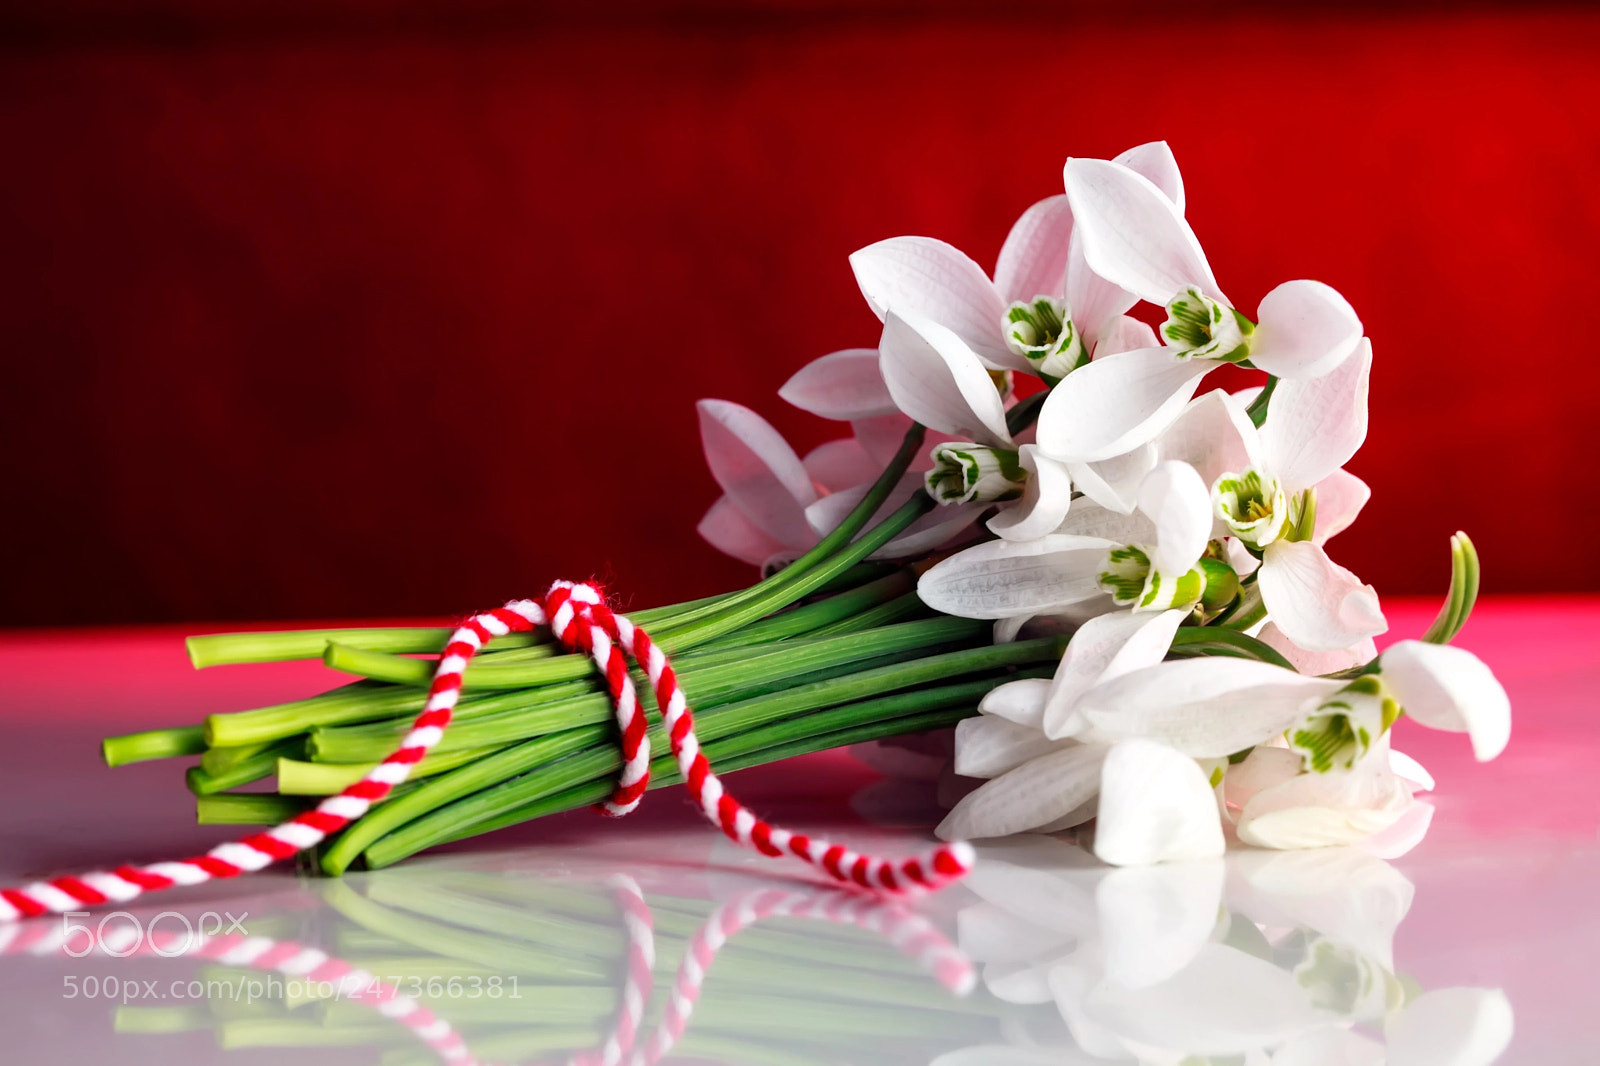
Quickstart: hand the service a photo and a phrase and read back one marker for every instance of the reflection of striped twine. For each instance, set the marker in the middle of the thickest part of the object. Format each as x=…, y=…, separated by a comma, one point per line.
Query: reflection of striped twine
x=911, y=933
x=914, y=935
x=580, y=619
x=283, y=957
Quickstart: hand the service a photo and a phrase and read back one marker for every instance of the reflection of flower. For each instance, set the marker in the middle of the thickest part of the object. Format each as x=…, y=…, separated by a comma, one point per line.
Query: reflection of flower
x=1263, y=956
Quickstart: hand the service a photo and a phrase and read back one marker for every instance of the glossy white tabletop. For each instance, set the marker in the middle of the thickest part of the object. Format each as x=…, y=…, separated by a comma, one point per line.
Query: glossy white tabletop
x=527, y=942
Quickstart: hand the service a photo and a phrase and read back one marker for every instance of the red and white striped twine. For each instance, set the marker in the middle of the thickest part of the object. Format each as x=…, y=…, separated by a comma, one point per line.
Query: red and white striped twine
x=579, y=618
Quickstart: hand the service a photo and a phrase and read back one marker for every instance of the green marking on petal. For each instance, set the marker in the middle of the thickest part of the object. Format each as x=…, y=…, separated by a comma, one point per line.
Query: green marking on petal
x=1341, y=731
x=965, y=472
x=1201, y=328
x=1041, y=331
x=1127, y=570
x=1253, y=506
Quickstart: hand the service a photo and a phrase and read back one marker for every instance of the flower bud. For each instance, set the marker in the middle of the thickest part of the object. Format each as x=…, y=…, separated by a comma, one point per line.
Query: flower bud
x=963, y=473
x=1202, y=328
x=1041, y=331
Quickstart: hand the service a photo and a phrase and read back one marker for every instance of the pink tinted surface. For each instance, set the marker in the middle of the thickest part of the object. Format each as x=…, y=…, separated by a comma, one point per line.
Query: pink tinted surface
x=1505, y=880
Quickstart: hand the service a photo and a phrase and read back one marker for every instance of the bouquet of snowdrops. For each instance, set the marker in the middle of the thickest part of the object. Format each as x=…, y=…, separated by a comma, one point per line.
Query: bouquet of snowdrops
x=1040, y=529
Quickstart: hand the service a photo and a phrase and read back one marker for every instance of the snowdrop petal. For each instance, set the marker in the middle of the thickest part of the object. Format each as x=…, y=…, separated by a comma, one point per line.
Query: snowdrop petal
x=1104, y=648
x=1340, y=497
x=931, y=532
x=1330, y=1047
x=759, y=472
x=1046, y=498
x=1114, y=483
x=842, y=386
x=929, y=278
x=1003, y=578
x=1032, y=795
x=1263, y=768
x=1305, y=329
x=1451, y=1027
x=1123, y=334
x=1133, y=235
x=1323, y=810
x=825, y=514
x=1317, y=603
x=988, y=746
x=1176, y=500
x=1155, y=806
x=1207, y=707
x=880, y=438
x=1097, y=304
x=1315, y=425
x=1154, y=920
x=1033, y=260
x=1317, y=662
x=1089, y=519
x=1407, y=769
x=840, y=464
x=1155, y=161
x=1405, y=834
x=726, y=529
x=1021, y=702
x=1115, y=404
x=1449, y=688
x=936, y=379
x=1214, y=435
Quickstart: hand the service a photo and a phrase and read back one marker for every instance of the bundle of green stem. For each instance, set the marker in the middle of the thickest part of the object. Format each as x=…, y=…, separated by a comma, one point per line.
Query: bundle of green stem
x=830, y=651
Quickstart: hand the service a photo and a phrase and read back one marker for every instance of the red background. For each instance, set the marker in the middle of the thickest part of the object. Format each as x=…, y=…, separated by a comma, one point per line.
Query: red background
x=388, y=308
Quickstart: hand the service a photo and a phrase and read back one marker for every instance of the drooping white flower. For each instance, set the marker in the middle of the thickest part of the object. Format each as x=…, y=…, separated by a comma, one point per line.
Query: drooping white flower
x=1134, y=237
x=1007, y=579
x=1044, y=310
x=775, y=506
x=1269, y=487
x=1043, y=760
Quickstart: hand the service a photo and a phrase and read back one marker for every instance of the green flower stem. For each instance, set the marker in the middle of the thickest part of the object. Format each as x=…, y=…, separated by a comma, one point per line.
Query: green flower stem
x=369, y=743
x=1258, y=407
x=774, y=599
x=297, y=778
x=227, y=649
x=247, y=808
x=473, y=779
x=264, y=763
x=525, y=674
x=218, y=761
x=1245, y=611
x=155, y=744
x=363, y=701
x=704, y=687
x=1463, y=593
x=1026, y=411
x=588, y=779
x=772, y=589
x=1190, y=641
x=588, y=775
